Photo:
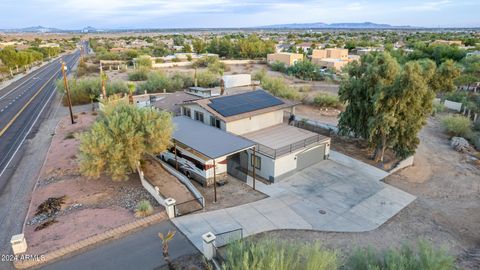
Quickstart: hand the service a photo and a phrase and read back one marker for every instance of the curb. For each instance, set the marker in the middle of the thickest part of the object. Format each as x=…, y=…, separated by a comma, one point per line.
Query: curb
x=89, y=242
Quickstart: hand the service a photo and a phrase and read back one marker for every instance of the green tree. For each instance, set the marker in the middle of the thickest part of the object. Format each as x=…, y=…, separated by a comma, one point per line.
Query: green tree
x=199, y=46
x=120, y=137
x=387, y=104
x=144, y=61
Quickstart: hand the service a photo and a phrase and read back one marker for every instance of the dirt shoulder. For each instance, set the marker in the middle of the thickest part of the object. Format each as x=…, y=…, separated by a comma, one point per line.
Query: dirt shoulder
x=446, y=212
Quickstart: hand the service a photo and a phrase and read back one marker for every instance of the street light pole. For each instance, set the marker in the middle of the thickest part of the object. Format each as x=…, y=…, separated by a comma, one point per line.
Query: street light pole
x=67, y=92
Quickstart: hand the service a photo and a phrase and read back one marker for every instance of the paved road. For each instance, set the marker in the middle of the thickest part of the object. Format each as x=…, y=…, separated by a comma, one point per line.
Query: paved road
x=21, y=104
x=141, y=250
x=24, y=143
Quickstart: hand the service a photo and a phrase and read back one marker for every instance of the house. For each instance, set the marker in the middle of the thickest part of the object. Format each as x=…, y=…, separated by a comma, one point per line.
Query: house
x=332, y=63
x=277, y=149
x=335, y=53
x=304, y=47
x=289, y=59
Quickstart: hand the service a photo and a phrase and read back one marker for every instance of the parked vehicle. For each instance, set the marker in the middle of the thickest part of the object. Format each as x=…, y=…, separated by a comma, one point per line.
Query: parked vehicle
x=189, y=167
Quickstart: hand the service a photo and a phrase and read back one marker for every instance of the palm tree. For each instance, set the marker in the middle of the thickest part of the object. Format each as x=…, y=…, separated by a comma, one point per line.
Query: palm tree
x=165, y=239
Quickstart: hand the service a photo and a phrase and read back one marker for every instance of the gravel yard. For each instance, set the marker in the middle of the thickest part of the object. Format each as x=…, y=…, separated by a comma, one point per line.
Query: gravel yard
x=91, y=206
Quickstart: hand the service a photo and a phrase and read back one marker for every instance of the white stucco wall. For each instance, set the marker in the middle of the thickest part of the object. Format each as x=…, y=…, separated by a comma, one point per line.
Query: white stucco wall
x=206, y=114
x=267, y=167
x=256, y=122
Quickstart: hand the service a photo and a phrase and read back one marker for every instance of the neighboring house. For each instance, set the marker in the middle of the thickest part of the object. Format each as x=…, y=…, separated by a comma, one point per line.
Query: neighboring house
x=289, y=59
x=332, y=63
x=305, y=46
x=280, y=149
x=334, y=58
x=335, y=53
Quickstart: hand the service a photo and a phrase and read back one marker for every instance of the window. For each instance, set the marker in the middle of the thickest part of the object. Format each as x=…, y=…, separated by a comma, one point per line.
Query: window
x=199, y=116
x=256, y=161
x=187, y=112
x=214, y=122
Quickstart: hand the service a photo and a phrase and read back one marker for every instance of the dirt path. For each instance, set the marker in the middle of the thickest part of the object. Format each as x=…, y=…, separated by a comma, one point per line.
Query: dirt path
x=446, y=212
x=169, y=185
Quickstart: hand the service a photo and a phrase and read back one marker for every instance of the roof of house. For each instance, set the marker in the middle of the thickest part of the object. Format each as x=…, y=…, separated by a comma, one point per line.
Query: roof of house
x=207, y=140
x=243, y=105
x=282, y=135
x=170, y=101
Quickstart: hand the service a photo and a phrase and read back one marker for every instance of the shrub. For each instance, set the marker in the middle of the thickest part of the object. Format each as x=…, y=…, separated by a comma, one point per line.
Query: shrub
x=279, y=255
x=144, y=61
x=207, y=79
x=144, y=209
x=457, y=96
x=405, y=257
x=157, y=82
x=305, y=70
x=327, y=100
x=457, y=125
x=140, y=74
x=116, y=87
x=278, y=87
x=82, y=91
x=278, y=66
x=259, y=75
x=437, y=108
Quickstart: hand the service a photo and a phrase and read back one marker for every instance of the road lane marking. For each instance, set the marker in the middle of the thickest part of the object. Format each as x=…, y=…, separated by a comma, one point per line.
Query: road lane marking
x=26, y=105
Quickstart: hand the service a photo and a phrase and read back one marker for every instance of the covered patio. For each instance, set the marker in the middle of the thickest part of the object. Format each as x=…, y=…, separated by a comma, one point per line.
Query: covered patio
x=209, y=145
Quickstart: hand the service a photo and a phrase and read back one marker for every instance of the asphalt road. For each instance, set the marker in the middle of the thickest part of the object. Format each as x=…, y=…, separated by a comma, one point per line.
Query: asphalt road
x=21, y=105
x=140, y=250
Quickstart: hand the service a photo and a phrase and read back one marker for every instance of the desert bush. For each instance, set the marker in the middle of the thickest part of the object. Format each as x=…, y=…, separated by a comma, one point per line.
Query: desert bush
x=279, y=255
x=327, y=100
x=82, y=91
x=205, y=61
x=157, y=82
x=278, y=66
x=457, y=125
x=116, y=87
x=437, y=108
x=278, y=87
x=140, y=74
x=144, y=61
x=144, y=209
x=457, y=96
x=207, y=79
x=423, y=257
x=259, y=75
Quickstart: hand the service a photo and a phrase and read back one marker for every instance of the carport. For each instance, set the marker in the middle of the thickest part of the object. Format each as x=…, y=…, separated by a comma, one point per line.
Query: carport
x=208, y=143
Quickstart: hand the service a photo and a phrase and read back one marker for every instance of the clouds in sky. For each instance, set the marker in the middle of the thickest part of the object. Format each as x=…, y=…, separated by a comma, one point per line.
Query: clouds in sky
x=232, y=13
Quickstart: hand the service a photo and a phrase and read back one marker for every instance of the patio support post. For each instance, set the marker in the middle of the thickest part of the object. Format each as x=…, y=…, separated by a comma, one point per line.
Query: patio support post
x=254, y=159
x=214, y=180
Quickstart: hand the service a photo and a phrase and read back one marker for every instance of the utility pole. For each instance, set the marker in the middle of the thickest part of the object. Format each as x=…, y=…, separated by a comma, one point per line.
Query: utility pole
x=214, y=181
x=102, y=77
x=67, y=91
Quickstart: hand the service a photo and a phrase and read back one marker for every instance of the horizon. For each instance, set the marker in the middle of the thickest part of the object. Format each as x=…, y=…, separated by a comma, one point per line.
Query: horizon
x=161, y=14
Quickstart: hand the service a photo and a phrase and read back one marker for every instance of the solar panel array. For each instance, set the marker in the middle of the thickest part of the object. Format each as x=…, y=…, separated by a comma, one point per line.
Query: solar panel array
x=242, y=103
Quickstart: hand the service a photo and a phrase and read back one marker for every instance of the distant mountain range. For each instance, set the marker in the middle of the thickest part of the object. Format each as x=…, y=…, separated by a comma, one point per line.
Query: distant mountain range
x=319, y=25
x=42, y=29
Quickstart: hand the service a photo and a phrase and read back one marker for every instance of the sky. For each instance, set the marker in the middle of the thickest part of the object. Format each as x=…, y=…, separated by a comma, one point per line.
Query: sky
x=117, y=14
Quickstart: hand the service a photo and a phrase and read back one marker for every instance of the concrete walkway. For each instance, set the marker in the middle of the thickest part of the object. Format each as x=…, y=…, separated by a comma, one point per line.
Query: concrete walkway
x=329, y=196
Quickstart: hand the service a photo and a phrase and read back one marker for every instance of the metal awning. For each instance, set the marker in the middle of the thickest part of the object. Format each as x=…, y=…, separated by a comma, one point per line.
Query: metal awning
x=207, y=140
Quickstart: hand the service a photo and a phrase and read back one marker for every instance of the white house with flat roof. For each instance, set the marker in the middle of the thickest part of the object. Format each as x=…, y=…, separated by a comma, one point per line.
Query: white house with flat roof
x=257, y=116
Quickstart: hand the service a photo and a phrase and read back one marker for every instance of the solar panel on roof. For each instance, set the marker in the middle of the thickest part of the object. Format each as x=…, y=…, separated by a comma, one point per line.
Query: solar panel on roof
x=242, y=103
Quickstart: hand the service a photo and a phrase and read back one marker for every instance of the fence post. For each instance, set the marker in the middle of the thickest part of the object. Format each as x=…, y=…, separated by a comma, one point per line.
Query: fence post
x=170, y=207
x=19, y=244
x=208, y=245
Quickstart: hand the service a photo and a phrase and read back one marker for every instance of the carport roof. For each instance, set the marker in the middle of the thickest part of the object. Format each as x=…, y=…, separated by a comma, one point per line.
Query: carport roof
x=209, y=141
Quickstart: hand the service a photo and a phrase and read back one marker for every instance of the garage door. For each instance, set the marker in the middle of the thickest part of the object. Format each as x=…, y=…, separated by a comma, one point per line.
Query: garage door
x=310, y=157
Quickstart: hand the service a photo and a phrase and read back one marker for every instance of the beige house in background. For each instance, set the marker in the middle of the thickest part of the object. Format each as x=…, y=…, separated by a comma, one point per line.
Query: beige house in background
x=288, y=59
x=335, y=53
x=333, y=63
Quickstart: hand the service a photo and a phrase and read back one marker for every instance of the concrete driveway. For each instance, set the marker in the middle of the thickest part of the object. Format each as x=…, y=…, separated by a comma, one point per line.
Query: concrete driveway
x=332, y=196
